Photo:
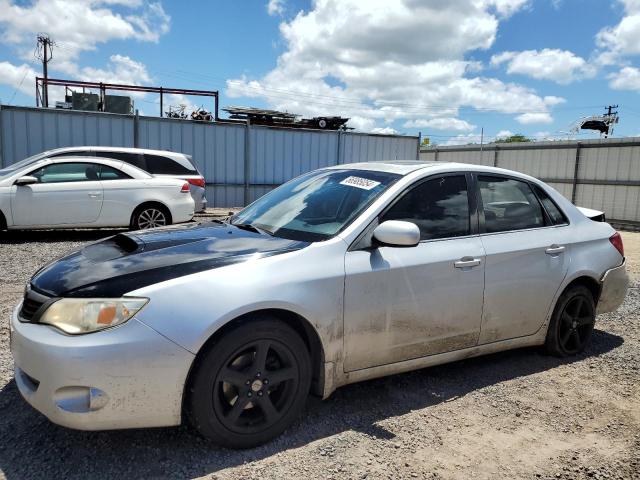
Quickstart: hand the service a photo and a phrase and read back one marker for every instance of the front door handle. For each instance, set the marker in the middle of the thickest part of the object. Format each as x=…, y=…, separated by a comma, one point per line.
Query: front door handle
x=467, y=262
x=554, y=249
x=94, y=194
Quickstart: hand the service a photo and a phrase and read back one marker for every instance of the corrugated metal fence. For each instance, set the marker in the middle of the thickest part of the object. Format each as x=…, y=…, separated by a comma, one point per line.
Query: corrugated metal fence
x=239, y=162
x=599, y=174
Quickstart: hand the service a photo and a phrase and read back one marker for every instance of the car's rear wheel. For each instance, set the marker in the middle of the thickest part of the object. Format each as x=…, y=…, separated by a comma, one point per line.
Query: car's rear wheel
x=572, y=322
x=150, y=216
x=250, y=385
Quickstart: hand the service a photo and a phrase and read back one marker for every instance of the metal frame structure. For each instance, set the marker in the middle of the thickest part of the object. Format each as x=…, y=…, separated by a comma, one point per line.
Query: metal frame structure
x=42, y=84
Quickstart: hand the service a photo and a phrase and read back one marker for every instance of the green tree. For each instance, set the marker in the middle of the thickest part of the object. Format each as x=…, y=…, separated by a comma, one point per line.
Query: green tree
x=517, y=138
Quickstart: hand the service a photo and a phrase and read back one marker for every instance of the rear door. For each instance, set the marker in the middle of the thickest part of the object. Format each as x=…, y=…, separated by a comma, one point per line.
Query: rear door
x=406, y=303
x=68, y=193
x=527, y=258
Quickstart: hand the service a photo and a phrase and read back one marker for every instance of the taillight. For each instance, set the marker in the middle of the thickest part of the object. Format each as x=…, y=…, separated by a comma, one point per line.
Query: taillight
x=185, y=188
x=616, y=241
x=198, y=182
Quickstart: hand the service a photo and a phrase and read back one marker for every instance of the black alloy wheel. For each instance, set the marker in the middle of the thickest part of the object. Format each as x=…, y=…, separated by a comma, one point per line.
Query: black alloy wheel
x=572, y=322
x=256, y=386
x=250, y=384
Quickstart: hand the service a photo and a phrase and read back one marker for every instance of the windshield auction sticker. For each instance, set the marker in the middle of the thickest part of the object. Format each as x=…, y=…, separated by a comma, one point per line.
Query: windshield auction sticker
x=360, y=182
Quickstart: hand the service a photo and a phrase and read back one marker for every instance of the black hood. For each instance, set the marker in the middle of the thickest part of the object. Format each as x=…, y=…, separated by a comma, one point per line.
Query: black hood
x=129, y=261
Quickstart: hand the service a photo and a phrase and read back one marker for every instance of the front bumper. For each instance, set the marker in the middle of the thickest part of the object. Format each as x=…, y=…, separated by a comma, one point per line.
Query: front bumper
x=125, y=377
x=614, y=285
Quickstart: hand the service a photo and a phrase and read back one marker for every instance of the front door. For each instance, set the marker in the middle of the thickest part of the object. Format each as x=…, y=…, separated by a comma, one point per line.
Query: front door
x=66, y=193
x=406, y=303
x=527, y=258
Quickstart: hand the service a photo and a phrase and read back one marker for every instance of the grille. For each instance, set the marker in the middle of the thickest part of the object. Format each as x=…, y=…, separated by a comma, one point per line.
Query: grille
x=31, y=303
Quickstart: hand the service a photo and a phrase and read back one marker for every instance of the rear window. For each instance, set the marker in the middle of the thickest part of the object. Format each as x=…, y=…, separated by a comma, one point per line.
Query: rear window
x=159, y=165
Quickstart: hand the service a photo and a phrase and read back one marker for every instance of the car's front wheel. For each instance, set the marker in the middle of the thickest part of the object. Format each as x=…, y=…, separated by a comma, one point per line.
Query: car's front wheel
x=572, y=322
x=250, y=385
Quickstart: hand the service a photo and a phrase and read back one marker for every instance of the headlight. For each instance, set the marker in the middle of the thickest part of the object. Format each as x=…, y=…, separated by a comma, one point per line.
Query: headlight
x=85, y=315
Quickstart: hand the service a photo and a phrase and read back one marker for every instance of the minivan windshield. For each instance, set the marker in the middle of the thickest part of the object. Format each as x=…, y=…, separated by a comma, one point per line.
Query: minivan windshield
x=315, y=206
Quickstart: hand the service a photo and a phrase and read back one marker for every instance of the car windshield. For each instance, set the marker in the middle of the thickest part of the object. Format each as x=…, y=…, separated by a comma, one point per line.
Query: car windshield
x=315, y=206
x=23, y=163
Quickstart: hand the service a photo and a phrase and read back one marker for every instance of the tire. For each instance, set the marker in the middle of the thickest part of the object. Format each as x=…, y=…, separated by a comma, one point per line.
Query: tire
x=265, y=365
x=150, y=216
x=572, y=322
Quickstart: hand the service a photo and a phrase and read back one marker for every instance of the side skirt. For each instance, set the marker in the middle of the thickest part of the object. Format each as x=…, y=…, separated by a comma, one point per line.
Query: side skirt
x=345, y=378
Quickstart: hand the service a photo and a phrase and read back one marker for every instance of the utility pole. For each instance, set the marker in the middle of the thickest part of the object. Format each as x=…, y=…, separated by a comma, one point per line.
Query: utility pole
x=611, y=119
x=44, y=52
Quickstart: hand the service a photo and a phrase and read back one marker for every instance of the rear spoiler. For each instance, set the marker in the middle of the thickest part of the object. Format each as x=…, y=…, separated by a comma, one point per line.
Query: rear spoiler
x=595, y=215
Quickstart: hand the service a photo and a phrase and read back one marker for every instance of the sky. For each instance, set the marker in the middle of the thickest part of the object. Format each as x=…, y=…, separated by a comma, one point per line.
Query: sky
x=447, y=69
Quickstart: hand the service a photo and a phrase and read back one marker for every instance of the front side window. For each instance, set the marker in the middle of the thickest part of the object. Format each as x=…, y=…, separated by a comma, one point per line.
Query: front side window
x=67, y=172
x=315, y=206
x=509, y=204
x=439, y=207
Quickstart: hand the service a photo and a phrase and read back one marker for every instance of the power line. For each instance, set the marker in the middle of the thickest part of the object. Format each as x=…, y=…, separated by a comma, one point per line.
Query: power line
x=26, y=70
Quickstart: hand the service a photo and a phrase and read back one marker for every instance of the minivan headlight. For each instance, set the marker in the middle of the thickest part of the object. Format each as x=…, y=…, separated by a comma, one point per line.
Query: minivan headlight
x=85, y=315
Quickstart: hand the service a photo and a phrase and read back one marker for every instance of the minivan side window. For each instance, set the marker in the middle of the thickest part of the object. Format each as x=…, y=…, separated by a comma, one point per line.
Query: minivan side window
x=509, y=204
x=159, y=165
x=555, y=214
x=77, y=153
x=439, y=207
x=131, y=158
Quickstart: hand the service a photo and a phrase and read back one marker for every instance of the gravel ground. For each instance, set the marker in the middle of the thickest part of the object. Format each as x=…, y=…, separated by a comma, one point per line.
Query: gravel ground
x=516, y=414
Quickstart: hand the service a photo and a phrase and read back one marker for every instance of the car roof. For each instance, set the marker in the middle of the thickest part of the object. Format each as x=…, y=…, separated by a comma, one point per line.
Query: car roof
x=405, y=167
x=97, y=148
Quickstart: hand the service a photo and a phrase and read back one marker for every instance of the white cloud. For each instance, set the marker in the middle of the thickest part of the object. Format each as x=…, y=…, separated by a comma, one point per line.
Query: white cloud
x=560, y=66
x=385, y=130
x=628, y=78
x=464, y=139
x=506, y=8
x=19, y=77
x=622, y=39
x=275, y=7
x=532, y=118
x=504, y=134
x=443, y=123
x=78, y=26
x=352, y=58
x=121, y=69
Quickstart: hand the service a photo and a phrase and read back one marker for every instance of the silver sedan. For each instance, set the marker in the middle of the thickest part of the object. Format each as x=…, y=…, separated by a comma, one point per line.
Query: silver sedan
x=340, y=275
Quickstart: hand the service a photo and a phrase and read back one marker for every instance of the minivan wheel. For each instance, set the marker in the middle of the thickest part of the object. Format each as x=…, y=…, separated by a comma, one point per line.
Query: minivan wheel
x=149, y=216
x=249, y=386
x=572, y=322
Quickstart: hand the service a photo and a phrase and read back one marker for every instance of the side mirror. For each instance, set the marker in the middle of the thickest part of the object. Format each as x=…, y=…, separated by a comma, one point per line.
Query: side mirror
x=397, y=233
x=26, y=180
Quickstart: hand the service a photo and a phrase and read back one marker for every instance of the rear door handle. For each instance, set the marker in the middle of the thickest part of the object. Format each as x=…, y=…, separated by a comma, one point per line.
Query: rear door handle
x=467, y=262
x=94, y=194
x=554, y=249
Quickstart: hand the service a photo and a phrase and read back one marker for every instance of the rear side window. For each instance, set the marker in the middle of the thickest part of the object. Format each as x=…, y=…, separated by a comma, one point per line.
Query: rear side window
x=555, y=214
x=509, y=204
x=439, y=207
x=109, y=173
x=159, y=165
x=131, y=158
